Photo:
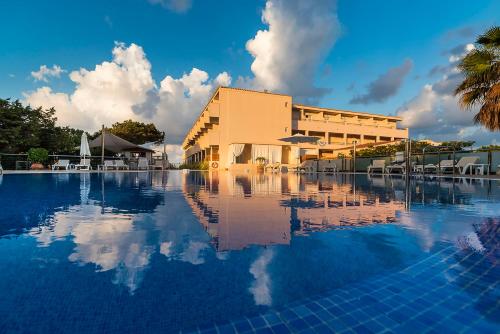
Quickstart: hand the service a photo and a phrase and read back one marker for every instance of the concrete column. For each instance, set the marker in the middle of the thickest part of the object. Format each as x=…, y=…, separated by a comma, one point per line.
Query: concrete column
x=377, y=139
x=362, y=139
x=345, y=138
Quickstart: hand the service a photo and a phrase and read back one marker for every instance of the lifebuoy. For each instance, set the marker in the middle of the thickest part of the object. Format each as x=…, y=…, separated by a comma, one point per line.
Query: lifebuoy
x=215, y=165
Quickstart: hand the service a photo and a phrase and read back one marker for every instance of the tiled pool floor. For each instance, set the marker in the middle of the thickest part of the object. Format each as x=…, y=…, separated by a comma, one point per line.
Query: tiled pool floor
x=448, y=292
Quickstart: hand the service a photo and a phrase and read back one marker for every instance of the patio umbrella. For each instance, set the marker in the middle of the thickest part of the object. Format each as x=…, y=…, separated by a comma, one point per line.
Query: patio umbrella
x=299, y=138
x=84, y=146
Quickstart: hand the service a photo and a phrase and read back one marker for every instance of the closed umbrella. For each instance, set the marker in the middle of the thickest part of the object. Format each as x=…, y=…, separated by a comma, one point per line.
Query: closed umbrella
x=84, y=146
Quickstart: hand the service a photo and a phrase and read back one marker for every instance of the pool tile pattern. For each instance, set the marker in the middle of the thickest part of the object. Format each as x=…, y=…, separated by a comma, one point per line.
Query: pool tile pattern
x=451, y=291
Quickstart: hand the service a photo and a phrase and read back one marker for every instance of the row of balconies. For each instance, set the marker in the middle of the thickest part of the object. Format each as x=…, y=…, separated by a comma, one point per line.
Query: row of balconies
x=207, y=119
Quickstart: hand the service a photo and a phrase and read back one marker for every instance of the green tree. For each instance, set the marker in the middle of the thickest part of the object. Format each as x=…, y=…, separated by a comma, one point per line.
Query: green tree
x=481, y=85
x=24, y=127
x=137, y=132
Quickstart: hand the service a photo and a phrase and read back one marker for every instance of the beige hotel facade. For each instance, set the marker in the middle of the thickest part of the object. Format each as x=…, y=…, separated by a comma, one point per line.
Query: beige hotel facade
x=237, y=126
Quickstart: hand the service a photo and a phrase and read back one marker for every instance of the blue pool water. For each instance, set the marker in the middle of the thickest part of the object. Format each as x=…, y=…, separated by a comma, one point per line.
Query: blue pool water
x=221, y=253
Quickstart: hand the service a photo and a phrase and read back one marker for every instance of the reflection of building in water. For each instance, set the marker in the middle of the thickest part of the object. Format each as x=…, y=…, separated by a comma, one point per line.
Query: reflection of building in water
x=264, y=209
x=234, y=215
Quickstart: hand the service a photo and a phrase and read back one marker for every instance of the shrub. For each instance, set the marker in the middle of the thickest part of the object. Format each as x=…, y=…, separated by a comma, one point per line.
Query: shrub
x=38, y=155
x=195, y=165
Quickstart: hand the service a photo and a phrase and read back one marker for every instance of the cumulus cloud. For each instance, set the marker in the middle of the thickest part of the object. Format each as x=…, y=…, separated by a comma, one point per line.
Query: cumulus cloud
x=124, y=88
x=178, y=6
x=44, y=73
x=435, y=113
x=288, y=53
x=386, y=85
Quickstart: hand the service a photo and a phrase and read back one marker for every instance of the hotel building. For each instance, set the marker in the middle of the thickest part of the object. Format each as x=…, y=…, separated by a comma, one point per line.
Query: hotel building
x=237, y=126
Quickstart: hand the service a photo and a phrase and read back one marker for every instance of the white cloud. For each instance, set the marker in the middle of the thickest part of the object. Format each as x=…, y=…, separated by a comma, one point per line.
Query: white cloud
x=435, y=113
x=178, y=6
x=287, y=55
x=124, y=89
x=44, y=73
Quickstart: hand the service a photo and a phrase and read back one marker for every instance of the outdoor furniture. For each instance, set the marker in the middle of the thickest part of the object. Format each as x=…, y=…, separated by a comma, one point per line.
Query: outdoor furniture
x=332, y=169
x=274, y=167
x=61, y=164
x=142, y=163
x=120, y=164
x=397, y=168
x=466, y=163
x=480, y=169
x=1, y=169
x=83, y=165
x=397, y=165
x=158, y=164
x=445, y=166
x=376, y=165
x=463, y=165
x=428, y=168
x=108, y=164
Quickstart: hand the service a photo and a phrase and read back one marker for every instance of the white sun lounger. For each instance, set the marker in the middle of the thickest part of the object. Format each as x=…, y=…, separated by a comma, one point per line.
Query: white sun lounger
x=61, y=164
x=119, y=164
x=142, y=163
x=376, y=165
x=83, y=165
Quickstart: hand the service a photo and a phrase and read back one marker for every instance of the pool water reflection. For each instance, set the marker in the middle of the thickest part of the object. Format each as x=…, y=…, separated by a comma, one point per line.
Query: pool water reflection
x=172, y=251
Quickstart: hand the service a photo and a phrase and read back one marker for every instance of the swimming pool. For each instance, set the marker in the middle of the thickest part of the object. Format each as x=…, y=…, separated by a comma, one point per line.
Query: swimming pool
x=222, y=253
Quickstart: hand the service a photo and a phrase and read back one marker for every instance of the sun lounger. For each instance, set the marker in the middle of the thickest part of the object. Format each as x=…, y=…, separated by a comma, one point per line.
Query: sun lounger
x=1, y=169
x=466, y=163
x=108, y=164
x=61, y=164
x=398, y=165
x=120, y=164
x=83, y=165
x=376, y=165
x=142, y=163
x=463, y=165
x=274, y=167
x=158, y=164
x=428, y=168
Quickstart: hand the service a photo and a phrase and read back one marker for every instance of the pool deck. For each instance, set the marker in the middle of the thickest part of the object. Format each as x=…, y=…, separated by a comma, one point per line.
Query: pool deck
x=45, y=171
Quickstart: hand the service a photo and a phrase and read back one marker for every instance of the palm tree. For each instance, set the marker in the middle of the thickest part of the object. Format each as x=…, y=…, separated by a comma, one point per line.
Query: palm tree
x=481, y=85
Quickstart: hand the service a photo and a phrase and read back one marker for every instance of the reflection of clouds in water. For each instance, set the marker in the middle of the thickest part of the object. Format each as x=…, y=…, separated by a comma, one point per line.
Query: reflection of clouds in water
x=193, y=253
x=166, y=248
x=109, y=241
x=428, y=225
x=261, y=287
x=124, y=242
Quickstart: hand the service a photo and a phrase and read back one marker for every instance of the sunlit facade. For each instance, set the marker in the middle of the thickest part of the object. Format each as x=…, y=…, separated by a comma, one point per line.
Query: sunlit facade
x=237, y=126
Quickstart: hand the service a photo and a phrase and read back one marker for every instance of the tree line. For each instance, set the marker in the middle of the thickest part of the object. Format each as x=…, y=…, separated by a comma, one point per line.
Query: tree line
x=24, y=127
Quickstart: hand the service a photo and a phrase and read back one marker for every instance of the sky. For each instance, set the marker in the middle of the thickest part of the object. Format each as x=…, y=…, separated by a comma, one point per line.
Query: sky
x=99, y=62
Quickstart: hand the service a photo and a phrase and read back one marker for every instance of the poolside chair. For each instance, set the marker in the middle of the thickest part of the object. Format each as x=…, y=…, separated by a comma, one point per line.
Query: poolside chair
x=446, y=166
x=466, y=163
x=1, y=169
x=142, y=163
x=398, y=165
x=428, y=168
x=274, y=167
x=61, y=164
x=108, y=164
x=376, y=165
x=158, y=164
x=120, y=164
x=83, y=165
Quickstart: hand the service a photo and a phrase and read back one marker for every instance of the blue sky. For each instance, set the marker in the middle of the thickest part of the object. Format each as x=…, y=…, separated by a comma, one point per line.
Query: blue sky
x=365, y=41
